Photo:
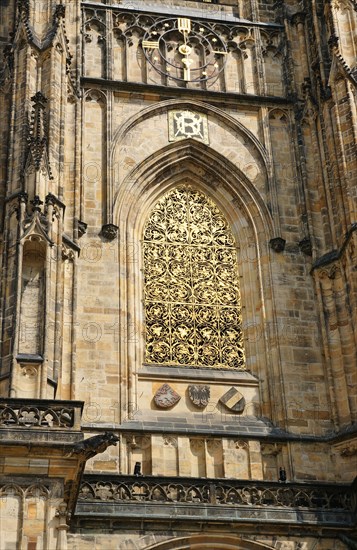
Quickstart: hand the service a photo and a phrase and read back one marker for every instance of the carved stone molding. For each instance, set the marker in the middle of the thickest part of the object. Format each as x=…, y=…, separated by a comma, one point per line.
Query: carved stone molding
x=240, y=444
x=218, y=492
x=137, y=441
x=169, y=441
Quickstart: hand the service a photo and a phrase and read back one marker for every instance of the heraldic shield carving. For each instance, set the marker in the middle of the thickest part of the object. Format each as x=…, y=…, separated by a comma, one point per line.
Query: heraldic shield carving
x=166, y=397
x=233, y=400
x=199, y=395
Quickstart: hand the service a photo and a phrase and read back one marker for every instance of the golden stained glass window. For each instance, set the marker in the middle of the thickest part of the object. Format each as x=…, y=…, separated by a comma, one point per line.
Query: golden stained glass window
x=192, y=300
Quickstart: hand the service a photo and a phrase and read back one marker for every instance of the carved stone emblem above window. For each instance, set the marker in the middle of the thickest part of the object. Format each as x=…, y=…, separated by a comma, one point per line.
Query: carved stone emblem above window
x=199, y=395
x=233, y=400
x=166, y=397
x=187, y=124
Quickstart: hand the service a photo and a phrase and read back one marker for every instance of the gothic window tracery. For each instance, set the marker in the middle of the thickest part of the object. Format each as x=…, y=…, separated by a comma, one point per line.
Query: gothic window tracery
x=191, y=284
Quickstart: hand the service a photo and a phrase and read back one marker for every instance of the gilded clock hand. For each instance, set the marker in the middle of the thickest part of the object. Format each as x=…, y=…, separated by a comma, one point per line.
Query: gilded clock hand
x=184, y=27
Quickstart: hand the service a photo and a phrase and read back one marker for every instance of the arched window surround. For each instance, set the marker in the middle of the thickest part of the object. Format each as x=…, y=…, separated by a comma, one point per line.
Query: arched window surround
x=196, y=164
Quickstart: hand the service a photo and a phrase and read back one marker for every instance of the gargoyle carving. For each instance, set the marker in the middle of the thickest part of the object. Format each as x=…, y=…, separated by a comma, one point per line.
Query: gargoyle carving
x=94, y=445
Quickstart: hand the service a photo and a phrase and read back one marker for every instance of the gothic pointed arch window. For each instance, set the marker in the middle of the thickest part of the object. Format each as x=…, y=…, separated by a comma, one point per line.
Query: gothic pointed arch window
x=191, y=284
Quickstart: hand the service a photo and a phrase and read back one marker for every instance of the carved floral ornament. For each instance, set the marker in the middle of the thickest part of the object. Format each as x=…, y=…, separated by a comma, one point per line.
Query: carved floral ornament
x=191, y=284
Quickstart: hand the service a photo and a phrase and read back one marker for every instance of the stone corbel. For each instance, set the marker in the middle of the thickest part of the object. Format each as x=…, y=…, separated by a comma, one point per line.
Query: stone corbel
x=277, y=244
x=110, y=231
x=305, y=246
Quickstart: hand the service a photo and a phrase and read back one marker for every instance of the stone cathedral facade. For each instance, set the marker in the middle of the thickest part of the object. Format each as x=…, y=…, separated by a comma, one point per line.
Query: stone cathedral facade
x=178, y=185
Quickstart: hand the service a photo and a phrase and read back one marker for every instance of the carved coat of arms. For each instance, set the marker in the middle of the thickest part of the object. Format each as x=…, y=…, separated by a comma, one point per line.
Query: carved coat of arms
x=233, y=400
x=166, y=397
x=199, y=395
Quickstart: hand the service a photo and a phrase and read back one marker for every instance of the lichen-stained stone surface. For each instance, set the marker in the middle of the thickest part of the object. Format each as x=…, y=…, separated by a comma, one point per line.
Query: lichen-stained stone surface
x=178, y=227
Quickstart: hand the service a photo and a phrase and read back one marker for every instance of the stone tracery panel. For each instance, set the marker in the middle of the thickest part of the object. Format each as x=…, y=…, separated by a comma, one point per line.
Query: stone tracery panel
x=192, y=299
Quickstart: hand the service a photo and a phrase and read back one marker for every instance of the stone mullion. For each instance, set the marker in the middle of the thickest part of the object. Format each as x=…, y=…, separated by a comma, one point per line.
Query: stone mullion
x=108, y=184
x=342, y=104
x=298, y=156
x=353, y=113
x=299, y=19
x=128, y=364
x=62, y=128
x=330, y=152
x=259, y=63
x=60, y=365
x=346, y=331
x=59, y=299
x=265, y=126
x=317, y=37
x=108, y=187
x=289, y=72
x=317, y=133
x=334, y=347
x=15, y=368
x=7, y=318
x=74, y=297
x=78, y=64
x=351, y=281
x=109, y=45
x=12, y=134
x=325, y=344
x=340, y=165
x=20, y=102
x=47, y=309
x=302, y=172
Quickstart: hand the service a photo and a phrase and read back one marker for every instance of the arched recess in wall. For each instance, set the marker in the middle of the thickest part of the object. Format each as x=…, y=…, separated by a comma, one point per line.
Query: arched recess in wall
x=208, y=542
x=191, y=162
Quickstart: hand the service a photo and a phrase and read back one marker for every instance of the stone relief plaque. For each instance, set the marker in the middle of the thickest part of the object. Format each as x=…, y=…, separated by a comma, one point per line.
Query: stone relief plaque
x=199, y=395
x=233, y=400
x=187, y=124
x=166, y=397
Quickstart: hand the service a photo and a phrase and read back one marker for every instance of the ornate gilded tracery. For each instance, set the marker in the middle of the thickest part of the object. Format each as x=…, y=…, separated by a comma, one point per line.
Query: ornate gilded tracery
x=192, y=299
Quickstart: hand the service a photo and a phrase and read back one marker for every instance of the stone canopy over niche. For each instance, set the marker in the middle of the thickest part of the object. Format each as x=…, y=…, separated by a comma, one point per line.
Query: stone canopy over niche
x=192, y=299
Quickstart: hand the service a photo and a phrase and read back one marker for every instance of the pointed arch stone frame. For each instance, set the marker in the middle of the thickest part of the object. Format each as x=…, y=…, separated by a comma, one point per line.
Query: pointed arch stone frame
x=189, y=161
x=206, y=542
